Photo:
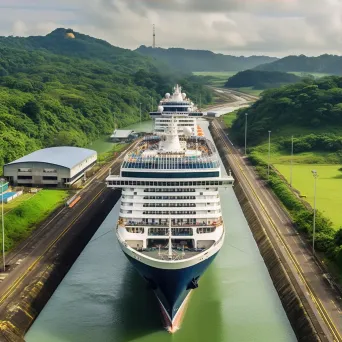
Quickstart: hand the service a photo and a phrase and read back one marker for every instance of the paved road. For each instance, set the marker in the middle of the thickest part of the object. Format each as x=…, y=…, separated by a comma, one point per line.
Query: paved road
x=323, y=299
x=28, y=259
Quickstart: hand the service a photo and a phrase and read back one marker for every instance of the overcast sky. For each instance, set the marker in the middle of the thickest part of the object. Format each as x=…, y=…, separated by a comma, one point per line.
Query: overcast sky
x=272, y=27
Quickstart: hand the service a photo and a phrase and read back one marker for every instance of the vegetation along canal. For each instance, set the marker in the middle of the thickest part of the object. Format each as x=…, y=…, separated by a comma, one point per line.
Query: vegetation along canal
x=102, y=298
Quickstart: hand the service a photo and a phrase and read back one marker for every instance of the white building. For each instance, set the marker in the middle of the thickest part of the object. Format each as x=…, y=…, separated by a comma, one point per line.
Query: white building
x=54, y=166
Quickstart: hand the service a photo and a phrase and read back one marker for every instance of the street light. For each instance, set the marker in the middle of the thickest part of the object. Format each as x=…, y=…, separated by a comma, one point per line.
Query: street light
x=291, y=167
x=315, y=175
x=269, y=155
x=246, y=115
x=3, y=223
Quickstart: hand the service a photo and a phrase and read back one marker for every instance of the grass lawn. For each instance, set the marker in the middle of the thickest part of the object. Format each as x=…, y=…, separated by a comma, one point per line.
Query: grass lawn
x=14, y=203
x=216, y=78
x=229, y=118
x=329, y=187
x=20, y=221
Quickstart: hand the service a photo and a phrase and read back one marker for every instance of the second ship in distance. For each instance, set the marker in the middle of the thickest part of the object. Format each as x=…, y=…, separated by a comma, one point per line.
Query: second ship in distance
x=170, y=224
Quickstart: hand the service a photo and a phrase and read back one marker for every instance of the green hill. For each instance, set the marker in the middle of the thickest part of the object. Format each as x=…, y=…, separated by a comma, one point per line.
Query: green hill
x=201, y=60
x=311, y=112
x=311, y=106
x=260, y=79
x=329, y=64
x=56, y=90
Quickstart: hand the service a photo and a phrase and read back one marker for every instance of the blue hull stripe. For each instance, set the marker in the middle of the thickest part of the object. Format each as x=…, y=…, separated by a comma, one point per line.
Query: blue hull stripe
x=171, y=286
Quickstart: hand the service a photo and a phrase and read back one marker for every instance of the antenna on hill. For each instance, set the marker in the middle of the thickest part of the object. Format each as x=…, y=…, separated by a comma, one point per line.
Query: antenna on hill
x=154, y=36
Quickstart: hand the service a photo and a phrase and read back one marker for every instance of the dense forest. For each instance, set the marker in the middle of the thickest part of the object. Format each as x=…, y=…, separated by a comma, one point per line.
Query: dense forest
x=201, y=60
x=260, y=79
x=56, y=90
x=329, y=64
x=310, y=104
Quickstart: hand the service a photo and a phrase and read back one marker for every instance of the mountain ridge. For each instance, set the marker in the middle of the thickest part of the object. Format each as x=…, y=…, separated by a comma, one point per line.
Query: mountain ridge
x=325, y=63
x=202, y=60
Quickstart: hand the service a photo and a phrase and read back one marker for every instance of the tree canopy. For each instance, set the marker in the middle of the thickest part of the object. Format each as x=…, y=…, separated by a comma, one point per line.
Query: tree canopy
x=330, y=64
x=60, y=91
x=260, y=79
x=313, y=104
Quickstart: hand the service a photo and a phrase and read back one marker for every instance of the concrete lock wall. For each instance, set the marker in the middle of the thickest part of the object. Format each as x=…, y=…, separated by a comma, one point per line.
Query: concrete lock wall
x=21, y=312
x=293, y=301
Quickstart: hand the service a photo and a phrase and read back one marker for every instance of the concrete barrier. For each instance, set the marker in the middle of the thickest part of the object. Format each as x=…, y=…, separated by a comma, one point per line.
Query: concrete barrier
x=22, y=312
x=293, y=300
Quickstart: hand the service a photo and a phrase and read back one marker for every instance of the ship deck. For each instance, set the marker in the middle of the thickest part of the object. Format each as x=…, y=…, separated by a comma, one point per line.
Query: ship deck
x=176, y=254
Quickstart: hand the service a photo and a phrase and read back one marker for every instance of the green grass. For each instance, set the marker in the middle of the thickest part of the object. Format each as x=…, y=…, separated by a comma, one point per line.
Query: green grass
x=216, y=78
x=329, y=184
x=25, y=217
x=229, y=118
x=218, y=74
x=314, y=74
x=329, y=187
x=105, y=157
x=17, y=201
x=249, y=90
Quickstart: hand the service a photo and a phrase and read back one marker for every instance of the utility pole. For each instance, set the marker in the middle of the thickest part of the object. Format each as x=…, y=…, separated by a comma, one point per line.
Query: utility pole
x=246, y=115
x=151, y=103
x=3, y=223
x=114, y=120
x=291, y=167
x=315, y=174
x=269, y=155
x=154, y=37
x=200, y=101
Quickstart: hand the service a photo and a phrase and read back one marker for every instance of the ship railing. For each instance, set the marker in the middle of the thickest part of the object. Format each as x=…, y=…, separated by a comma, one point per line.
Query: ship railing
x=164, y=231
x=180, y=249
x=173, y=225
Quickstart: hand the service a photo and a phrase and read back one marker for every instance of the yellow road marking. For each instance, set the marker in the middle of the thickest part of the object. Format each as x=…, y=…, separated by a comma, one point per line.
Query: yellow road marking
x=32, y=266
x=300, y=272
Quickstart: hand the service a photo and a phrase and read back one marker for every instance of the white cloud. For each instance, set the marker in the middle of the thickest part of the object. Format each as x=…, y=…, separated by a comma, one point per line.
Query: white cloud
x=276, y=27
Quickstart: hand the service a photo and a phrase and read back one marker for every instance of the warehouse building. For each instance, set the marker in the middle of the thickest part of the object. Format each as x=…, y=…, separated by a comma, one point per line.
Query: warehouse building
x=123, y=135
x=54, y=166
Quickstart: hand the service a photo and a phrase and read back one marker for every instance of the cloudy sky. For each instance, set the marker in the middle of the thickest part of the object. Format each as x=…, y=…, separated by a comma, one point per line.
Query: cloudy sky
x=273, y=27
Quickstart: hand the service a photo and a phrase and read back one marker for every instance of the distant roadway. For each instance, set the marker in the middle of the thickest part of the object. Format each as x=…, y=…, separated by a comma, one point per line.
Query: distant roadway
x=324, y=300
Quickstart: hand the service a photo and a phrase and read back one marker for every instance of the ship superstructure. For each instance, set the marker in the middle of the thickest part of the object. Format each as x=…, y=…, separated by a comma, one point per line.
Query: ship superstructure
x=170, y=225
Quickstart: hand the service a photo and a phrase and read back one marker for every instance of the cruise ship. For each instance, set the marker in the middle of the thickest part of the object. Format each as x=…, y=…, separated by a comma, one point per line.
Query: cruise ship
x=170, y=225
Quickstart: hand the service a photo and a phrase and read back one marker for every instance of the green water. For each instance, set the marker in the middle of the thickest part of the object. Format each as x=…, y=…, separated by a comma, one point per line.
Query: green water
x=103, y=299
x=103, y=143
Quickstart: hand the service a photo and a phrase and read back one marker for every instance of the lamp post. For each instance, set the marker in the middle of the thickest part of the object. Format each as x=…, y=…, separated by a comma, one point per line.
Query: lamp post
x=291, y=166
x=246, y=115
x=315, y=175
x=269, y=155
x=3, y=223
x=140, y=112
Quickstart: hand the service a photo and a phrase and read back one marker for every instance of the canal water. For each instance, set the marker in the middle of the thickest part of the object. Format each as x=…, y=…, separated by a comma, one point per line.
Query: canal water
x=102, y=298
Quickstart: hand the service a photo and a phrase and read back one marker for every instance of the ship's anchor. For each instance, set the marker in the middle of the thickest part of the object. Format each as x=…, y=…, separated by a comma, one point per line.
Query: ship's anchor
x=193, y=284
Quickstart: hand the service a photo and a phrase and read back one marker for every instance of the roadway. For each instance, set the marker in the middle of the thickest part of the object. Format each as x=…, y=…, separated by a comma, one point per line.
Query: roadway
x=324, y=300
x=31, y=257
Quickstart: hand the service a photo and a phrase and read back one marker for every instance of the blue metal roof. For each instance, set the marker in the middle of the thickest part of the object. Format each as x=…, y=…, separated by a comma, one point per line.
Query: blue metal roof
x=65, y=156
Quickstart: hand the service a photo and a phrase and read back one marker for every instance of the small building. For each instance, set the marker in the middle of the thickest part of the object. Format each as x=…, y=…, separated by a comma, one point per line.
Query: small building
x=123, y=135
x=213, y=114
x=54, y=166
